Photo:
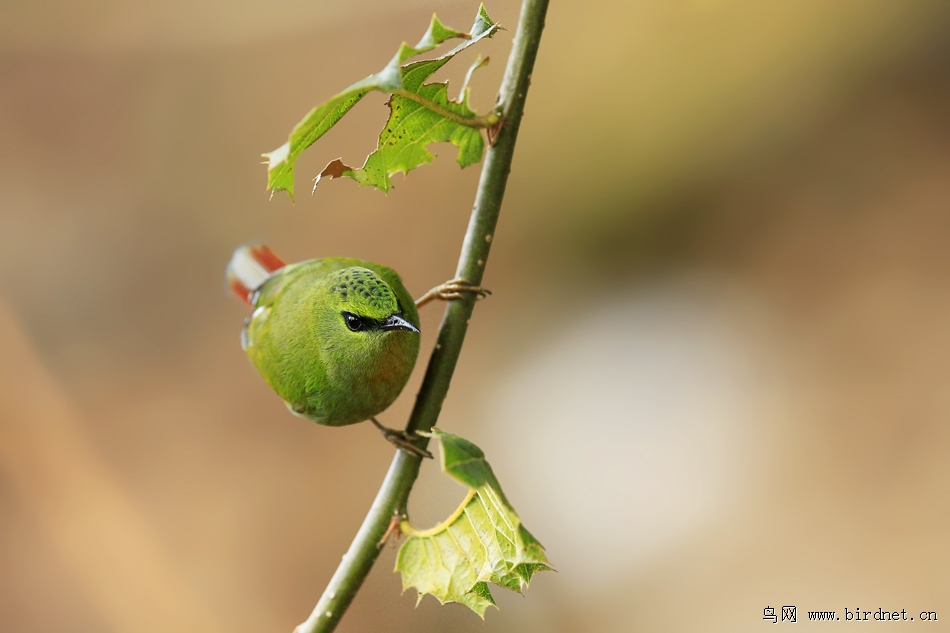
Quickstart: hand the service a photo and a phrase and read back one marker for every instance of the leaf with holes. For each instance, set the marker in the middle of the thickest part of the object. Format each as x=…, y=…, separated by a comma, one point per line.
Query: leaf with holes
x=420, y=114
x=483, y=541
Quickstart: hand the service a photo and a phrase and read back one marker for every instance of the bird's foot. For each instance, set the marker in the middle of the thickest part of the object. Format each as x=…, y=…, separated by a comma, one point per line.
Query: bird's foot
x=452, y=289
x=401, y=440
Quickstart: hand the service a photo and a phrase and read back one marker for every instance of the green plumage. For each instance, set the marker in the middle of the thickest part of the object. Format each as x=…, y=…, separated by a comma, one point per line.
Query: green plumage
x=301, y=338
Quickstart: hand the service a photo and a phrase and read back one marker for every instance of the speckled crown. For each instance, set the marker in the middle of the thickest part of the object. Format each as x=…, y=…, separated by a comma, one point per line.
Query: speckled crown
x=366, y=285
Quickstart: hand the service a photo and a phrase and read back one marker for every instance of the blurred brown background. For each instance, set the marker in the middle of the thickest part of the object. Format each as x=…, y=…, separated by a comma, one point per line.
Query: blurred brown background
x=713, y=376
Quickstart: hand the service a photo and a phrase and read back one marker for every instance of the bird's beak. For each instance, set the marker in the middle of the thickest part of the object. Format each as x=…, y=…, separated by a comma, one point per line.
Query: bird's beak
x=396, y=322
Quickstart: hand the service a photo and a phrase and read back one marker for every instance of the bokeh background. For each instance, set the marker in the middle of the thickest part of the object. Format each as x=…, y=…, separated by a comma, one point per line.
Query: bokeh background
x=712, y=378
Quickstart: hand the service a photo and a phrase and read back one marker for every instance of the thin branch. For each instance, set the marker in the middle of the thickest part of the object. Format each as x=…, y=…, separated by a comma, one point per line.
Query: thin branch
x=394, y=493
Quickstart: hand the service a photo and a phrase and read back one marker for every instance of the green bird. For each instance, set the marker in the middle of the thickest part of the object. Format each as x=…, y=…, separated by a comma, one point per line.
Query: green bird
x=336, y=338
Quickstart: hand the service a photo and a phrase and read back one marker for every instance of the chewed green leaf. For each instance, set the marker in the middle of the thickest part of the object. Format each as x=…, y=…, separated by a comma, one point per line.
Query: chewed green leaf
x=410, y=129
x=437, y=34
x=483, y=22
x=390, y=78
x=464, y=90
x=465, y=462
x=483, y=541
x=280, y=162
x=398, y=75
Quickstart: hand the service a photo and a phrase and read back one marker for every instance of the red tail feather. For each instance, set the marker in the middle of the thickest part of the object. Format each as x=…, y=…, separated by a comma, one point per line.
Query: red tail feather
x=250, y=266
x=266, y=258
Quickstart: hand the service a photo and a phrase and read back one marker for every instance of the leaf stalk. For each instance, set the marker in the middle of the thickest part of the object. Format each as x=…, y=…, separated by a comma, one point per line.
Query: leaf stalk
x=478, y=122
x=393, y=495
x=409, y=529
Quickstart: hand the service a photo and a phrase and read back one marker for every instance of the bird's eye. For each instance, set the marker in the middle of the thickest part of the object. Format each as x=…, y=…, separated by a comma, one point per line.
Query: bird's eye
x=353, y=322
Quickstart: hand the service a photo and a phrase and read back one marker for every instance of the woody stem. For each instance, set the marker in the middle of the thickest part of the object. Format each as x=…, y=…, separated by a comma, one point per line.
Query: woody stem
x=394, y=493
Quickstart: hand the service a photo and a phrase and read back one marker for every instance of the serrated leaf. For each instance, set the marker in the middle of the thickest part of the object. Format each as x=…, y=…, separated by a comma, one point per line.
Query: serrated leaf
x=464, y=90
x=398, y=75
x=482, y=541
x=411, y=128
x=280, y=162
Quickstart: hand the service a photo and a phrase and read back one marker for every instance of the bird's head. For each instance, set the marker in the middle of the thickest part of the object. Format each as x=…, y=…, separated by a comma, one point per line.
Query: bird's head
x=365, y=303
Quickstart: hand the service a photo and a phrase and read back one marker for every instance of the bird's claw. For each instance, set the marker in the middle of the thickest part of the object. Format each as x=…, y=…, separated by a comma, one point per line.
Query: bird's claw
x=401, y=440
x=452, y=289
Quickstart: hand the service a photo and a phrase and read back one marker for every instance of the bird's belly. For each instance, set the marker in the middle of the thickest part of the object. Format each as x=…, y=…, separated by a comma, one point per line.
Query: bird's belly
x=318, y=381
x=331, y=402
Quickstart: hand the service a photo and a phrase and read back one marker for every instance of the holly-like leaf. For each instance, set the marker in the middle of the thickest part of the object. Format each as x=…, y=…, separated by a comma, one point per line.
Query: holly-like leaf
x=411, y=127
x=482, y=541
x=404, y=145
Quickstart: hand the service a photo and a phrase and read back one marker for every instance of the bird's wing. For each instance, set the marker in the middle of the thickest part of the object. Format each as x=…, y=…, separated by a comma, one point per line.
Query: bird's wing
x=268, y=292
